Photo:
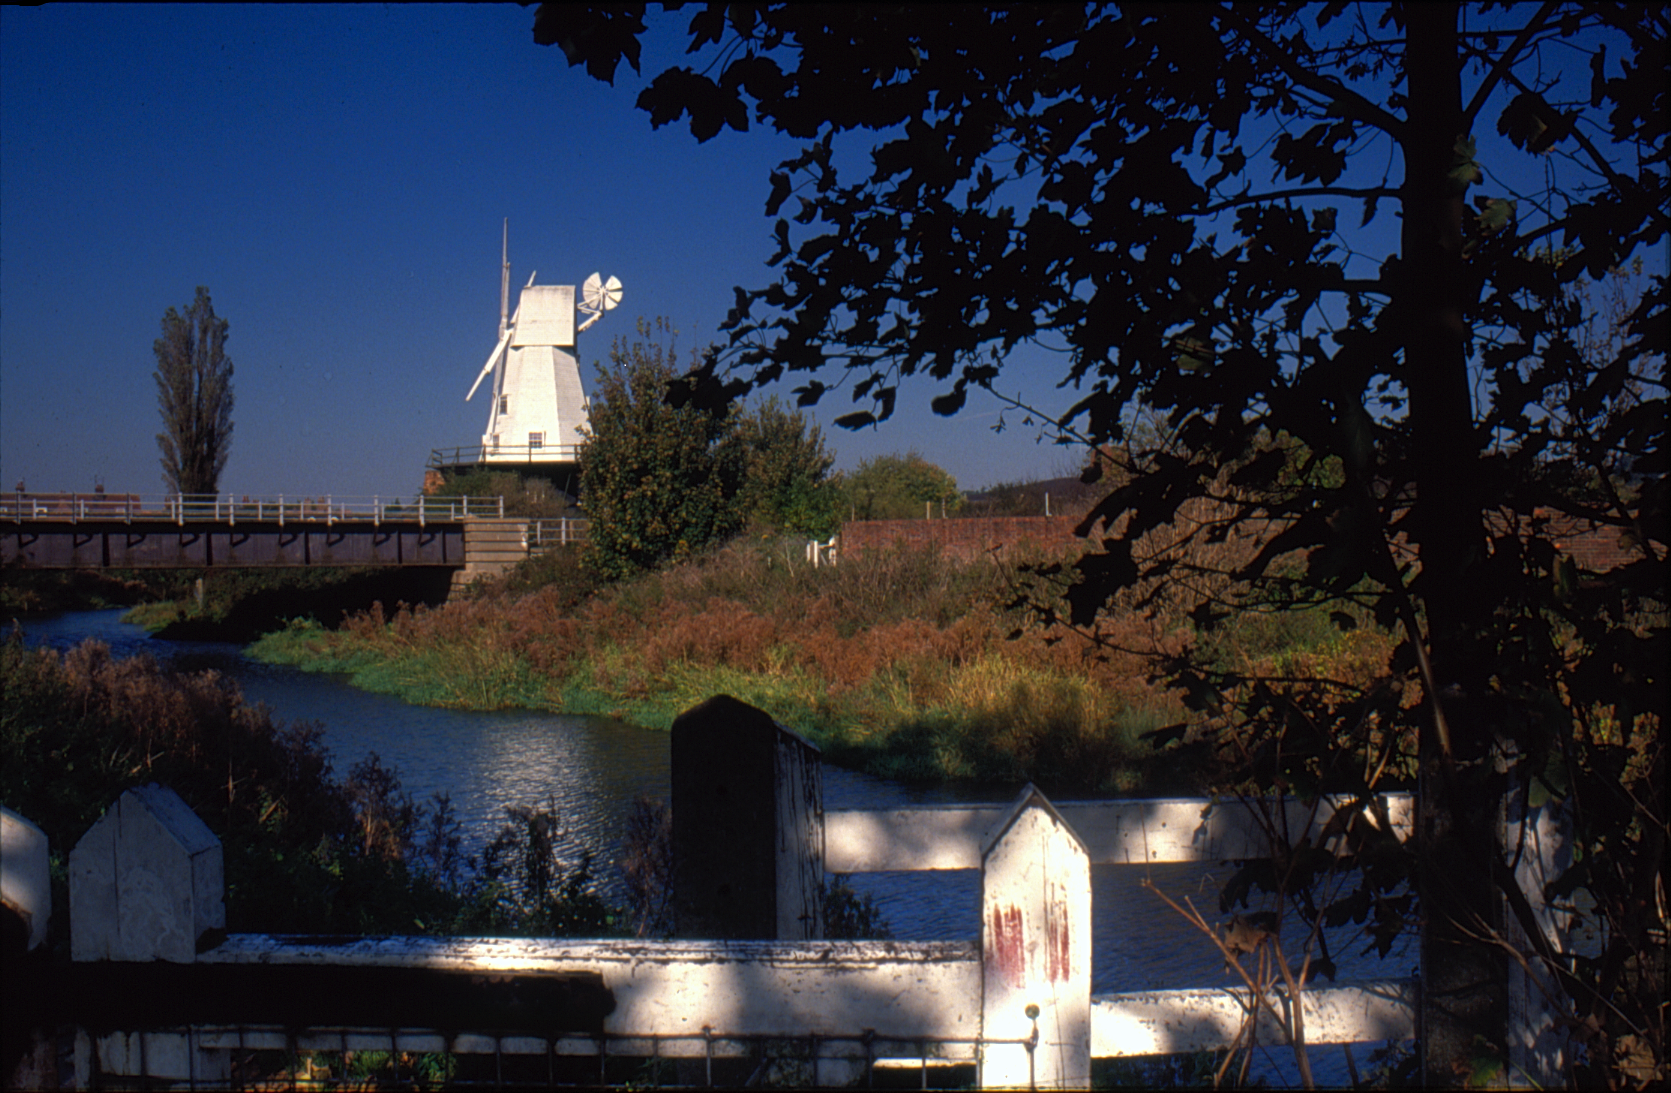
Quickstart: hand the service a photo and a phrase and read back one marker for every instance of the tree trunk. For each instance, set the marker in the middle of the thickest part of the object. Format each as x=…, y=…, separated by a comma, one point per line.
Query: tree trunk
x=1464, y=1003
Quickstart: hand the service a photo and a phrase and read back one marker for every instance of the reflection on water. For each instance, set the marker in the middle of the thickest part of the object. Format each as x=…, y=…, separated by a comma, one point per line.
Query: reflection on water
x=594, y=767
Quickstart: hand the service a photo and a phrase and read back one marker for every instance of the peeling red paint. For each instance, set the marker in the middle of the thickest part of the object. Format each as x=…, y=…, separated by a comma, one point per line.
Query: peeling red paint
x=1060, y=965
x=1008, y=955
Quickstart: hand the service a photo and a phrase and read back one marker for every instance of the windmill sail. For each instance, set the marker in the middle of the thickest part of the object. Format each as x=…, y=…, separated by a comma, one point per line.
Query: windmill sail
x=493, y=359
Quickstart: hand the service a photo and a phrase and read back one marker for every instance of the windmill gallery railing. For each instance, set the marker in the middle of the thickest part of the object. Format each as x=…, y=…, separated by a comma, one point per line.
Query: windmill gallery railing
x=488, y=455
x=159, y=994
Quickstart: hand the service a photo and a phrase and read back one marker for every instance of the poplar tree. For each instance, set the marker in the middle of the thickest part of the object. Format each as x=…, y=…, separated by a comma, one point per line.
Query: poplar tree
x=194, y=395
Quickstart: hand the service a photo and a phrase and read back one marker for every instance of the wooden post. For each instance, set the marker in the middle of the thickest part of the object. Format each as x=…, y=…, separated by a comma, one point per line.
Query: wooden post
x=146, y=881
x=146, y=884
x=1036, y=950
x=748, y=826
x=30, y=1055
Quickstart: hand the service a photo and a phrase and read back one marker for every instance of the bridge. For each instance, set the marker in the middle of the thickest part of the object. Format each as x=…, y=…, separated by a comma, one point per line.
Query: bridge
x=135, y=531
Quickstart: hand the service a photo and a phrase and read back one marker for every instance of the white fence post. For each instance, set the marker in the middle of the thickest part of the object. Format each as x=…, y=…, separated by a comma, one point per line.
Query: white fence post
x=146, y=884
x=146, y=881
x=1542, y=837
x=26, y=891
x=1035, y=951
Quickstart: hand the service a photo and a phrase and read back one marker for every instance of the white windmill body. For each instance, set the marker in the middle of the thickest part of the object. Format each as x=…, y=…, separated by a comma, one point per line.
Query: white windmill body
x=538, y=407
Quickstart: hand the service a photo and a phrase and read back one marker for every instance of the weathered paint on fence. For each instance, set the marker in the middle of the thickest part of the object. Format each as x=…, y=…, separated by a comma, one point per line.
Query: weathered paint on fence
x=146, y=881
x=757, y=804
x=1165, y=1022
x=1114, y=832
x=1036, y=950
x=767, y=988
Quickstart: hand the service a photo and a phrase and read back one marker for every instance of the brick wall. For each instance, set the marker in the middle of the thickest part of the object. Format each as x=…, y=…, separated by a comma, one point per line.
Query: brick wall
x=1595, y=548
x=960, y=538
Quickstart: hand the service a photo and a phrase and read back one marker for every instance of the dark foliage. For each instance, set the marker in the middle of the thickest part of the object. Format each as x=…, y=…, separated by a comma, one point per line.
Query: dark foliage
x=670, y=471
x=1184, y=202
x=648, y=866
x=303, y=852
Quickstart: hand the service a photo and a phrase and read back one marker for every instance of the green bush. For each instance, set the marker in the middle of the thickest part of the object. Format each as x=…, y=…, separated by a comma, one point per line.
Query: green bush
x=529, y=495
x=899, y=487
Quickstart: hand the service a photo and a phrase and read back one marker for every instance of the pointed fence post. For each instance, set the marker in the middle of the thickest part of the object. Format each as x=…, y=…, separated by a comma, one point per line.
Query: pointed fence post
x=146, y=881
x=1542, y=837
x=748, y=826
x=146, y=884
x=30, y=1059
x=1035, y=950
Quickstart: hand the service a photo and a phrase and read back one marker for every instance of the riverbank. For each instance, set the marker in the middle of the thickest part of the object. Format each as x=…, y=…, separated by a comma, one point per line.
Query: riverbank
x=900, y=663
x=239, y=606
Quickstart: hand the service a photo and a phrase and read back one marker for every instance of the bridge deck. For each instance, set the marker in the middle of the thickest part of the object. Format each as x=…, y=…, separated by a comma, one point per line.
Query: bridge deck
x=130, y=531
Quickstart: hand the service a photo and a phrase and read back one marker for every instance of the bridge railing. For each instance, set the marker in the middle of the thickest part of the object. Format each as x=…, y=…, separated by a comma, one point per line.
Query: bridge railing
x=752, y=843
x=231, y=509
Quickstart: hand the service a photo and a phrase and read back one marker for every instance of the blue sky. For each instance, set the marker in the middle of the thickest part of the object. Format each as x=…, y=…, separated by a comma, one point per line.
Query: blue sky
x=337, y=177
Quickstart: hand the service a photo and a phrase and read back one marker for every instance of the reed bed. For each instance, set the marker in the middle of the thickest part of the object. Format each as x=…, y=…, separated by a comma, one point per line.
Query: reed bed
x=903, y=662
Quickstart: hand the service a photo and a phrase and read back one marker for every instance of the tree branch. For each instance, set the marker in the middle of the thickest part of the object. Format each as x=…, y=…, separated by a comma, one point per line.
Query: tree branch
x=1504, y=60
x=1615, y=179
x=1350, y=103
x=1310, y=191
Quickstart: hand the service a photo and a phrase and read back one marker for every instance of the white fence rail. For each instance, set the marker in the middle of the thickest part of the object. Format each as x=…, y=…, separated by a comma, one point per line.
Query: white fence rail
x=1016, y=1005
x=490, y=454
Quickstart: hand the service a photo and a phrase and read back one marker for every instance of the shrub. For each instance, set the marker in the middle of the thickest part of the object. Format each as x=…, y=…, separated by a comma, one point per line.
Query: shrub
x=302, y=852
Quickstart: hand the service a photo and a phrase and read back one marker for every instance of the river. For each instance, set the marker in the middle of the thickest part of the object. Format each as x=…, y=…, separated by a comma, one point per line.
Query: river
x=594, y=767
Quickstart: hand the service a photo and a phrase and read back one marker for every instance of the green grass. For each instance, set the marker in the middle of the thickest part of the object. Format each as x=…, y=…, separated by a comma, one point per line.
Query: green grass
x=1011, y=722
x=895, y=662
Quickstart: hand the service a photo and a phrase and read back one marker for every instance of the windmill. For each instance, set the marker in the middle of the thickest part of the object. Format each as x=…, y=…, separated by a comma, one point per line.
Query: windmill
x=538, y=404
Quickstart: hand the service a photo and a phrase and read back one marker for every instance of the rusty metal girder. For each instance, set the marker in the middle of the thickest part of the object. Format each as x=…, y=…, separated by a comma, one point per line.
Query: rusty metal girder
x=165, y=545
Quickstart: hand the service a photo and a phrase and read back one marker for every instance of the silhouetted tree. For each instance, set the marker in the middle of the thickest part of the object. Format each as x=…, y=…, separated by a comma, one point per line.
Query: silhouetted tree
x=1183, y=201
x=194, y=394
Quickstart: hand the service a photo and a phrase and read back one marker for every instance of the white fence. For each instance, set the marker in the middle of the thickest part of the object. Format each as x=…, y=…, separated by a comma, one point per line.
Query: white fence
x=753, y=844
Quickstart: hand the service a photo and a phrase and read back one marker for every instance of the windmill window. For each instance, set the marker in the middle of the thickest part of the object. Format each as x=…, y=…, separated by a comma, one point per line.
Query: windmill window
x=536, y=440
x=504, y=404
